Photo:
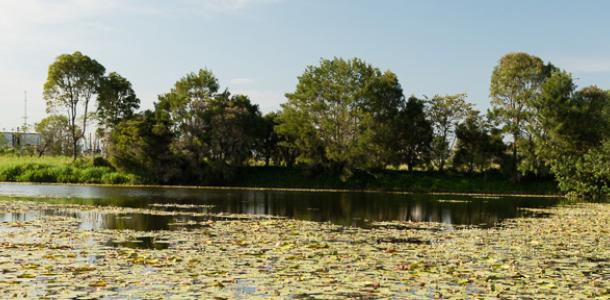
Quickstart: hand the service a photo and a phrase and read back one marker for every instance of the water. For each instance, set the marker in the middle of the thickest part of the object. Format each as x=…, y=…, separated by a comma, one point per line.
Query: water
x=342, y=208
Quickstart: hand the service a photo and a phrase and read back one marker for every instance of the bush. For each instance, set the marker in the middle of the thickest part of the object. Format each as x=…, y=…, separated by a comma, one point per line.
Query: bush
x=92, y=174
x=41, y=174
x=99, y=161
x=10, y=173
x=588, y=177
x=60, y=170
x=65, y=174
x=116, y=178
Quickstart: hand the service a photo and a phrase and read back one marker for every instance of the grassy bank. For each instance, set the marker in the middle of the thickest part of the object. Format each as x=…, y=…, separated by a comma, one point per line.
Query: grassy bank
x=59, y=170
x=63, y=170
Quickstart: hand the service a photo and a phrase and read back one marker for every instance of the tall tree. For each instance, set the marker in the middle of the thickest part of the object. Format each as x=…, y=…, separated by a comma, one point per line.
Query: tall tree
x=576, y=145
x=141, y=145
x=385, y=99
x=189, y=98
x=446, y=113
x=415, y=135
x=116, y=100
x=233, y=123
x=267, y=147
x=334, y=113
x=72, y=81
x=515, y=84
x=478, y=145
x=212, y=129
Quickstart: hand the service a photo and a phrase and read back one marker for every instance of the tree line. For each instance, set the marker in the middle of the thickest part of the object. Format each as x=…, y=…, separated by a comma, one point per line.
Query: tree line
x=344, y=116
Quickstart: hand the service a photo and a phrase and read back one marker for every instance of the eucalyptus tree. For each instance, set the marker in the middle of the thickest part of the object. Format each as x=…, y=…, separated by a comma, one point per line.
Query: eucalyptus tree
x=233, y=124
x=116, y=100
x=73, y=80
x=415, y=134
x=478, y=145
x=446, y=113
x=141, y=145
x=515, y=84
x=267, y=148
x=341, y=114
x=576, y=145
x=189, y=98
x=212, y=129
x=385, y=99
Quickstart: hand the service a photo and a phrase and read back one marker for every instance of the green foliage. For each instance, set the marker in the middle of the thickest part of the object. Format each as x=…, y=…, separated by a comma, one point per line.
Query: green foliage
x=59, y=170
x=342, y=116
x=385, y=101
x=141, y=145
x=116, y=100
x=210, y=129
x=415, y=134
x=55, y=135
x=445, y=114
x=99, y=161
x=515, y=84
x=267, y=148
x=478, y=147
x=72, y=81
x=576, y=139
x=345, y=119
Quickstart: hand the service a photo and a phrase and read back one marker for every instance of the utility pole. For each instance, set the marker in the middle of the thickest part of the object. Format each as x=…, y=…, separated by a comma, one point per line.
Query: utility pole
x=25, y=112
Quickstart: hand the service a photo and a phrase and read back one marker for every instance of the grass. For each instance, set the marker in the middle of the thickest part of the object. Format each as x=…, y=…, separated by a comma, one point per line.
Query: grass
x=59, y=170
x=87, y=170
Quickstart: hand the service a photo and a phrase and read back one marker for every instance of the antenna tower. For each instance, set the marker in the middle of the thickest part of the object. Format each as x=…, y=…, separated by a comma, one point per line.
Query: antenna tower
x=25, y=111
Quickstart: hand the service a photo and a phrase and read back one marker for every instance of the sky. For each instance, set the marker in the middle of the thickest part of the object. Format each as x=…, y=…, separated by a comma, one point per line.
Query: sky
x=260, y=47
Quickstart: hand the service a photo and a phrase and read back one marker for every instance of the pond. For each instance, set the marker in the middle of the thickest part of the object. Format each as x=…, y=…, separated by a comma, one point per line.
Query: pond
x=341, y=208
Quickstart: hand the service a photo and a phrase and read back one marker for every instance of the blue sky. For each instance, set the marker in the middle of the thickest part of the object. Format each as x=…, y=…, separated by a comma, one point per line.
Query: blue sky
x=259, y=47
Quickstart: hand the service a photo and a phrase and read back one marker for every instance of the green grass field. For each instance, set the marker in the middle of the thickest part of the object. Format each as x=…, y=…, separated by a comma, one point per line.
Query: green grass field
x=59, y=170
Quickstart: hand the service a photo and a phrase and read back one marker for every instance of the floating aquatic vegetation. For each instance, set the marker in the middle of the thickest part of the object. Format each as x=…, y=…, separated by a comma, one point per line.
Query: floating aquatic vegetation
x=566, y=255
x=452, y=201
x=182, y=206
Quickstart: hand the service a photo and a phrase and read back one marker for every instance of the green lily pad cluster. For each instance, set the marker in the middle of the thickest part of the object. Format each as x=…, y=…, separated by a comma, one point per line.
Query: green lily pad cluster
x=566, y=255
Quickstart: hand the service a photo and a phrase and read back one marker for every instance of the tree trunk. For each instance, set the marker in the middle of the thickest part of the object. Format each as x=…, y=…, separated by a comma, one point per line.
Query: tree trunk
x=515, y=162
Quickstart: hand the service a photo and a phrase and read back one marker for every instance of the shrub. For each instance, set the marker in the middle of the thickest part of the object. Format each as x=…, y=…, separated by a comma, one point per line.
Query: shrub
x=40, y=174
x=116, y=178
x=93, y=174
x=99, y=161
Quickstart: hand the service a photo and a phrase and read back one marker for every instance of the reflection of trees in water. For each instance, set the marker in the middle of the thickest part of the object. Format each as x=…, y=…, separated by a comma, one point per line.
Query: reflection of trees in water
x=339, y=208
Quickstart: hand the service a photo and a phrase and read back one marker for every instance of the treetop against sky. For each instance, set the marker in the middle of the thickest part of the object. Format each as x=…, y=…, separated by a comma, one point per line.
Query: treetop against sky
x=259, y=47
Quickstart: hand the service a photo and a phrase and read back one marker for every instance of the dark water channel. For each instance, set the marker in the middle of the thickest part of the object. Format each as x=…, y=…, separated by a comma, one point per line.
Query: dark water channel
x=342, y=208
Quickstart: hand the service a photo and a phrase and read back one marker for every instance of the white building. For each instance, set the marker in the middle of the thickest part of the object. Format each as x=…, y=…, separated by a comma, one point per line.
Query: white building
x=16, y=139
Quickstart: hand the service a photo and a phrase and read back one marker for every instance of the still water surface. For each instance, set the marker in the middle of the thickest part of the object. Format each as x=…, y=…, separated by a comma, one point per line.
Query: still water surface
x=342, y=208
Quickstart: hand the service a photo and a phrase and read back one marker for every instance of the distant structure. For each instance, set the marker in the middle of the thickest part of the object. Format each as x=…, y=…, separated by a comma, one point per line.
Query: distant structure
x=19, y=137
x=16, y=139
x=25, y=112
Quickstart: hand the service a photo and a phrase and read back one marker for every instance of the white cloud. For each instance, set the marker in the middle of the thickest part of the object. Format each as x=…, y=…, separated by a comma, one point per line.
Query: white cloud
x=35, y=30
